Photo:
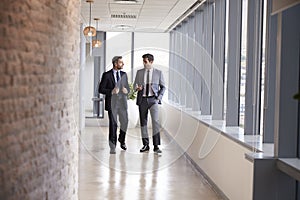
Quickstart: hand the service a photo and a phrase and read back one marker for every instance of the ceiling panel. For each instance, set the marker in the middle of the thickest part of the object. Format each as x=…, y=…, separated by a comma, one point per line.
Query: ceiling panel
x=151, y=15
x=122, y=8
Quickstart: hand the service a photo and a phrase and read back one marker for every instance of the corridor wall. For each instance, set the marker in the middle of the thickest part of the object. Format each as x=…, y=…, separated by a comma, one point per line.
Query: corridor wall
x=39, y=58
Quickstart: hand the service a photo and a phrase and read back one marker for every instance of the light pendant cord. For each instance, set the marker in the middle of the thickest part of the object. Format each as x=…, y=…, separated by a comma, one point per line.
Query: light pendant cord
x=90, y=17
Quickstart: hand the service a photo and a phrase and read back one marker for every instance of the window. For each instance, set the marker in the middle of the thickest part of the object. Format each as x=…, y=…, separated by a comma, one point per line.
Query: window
x=226, y=57
x=119, y=44
x=263, y=66
x=156, y=44
x=243, y=61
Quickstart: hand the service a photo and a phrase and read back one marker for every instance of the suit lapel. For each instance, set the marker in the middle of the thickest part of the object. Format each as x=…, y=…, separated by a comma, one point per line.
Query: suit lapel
x=112, y=78
x=142, y=76
x=121, y=74
x=122, y=79
x=154, y=75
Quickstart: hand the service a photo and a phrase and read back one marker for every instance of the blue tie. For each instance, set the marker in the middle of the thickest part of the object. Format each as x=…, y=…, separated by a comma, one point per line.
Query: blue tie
x=118, y=76
x=147, y=83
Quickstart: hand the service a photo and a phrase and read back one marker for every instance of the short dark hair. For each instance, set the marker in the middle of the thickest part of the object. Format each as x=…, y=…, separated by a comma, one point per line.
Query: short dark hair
x=149, y=56
x=116, y=59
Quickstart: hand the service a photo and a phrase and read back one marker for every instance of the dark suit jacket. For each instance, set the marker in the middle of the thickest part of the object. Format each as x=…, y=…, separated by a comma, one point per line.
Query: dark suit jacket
x=107, y=84
x=157, y=84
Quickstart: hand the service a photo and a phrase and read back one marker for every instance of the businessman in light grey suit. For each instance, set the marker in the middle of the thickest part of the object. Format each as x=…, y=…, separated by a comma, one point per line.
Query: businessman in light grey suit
x=149, y=82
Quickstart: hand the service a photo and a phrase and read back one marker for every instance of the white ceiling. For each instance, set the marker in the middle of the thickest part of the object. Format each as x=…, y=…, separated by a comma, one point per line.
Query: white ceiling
x=151, y=15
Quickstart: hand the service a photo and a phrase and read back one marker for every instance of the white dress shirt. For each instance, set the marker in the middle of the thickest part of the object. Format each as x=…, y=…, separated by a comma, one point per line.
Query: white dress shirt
x=115, y=75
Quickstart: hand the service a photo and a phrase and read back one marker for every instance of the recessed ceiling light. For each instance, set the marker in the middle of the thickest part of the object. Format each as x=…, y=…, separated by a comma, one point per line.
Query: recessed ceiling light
x=125, y=1
x=123, y=26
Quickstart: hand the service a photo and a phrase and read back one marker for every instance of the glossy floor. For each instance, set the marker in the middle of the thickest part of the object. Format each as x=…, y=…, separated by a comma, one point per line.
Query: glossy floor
x=132, y=175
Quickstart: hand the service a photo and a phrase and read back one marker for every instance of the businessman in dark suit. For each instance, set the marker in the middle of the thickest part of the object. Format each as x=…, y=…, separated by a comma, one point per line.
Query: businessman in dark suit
x=150, y=84
x=114, y=84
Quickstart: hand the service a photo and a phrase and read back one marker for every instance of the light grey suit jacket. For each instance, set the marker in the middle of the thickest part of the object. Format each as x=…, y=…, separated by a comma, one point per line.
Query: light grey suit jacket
x=157, y=84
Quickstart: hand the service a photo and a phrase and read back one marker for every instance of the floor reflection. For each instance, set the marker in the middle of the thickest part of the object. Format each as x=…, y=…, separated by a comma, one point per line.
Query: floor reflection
x=133, y=175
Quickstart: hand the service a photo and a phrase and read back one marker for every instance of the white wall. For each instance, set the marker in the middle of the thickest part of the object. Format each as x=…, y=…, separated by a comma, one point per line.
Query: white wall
x=89, y=83
x=156, y=44
x=119, y=44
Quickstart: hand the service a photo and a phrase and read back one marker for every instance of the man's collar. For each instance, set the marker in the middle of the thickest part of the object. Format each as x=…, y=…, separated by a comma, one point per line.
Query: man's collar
x=151, y=69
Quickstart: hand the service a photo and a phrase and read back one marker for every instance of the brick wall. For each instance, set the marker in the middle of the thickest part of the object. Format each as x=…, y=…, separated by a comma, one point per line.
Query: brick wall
x=39, y=63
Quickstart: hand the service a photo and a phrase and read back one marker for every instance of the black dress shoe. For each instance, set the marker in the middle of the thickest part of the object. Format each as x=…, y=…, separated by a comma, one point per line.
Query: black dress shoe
x=122, y=145
x=112, y=151
x=144, y=149
x=157, y=150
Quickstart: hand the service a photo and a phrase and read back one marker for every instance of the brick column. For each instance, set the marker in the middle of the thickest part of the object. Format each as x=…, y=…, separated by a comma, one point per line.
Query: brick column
x=39, y=63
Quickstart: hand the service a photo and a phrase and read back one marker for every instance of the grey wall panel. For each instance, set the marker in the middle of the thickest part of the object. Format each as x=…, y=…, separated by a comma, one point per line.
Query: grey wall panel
x=198, y=57
x=287, y=84
x=218, y=61
x=234, y=59
x=270, y=78
x=207, y=60
x=253, y=68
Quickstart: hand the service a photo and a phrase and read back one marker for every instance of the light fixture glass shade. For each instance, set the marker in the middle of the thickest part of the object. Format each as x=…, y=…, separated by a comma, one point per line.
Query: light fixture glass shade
x=96, y=43
x=89, y=31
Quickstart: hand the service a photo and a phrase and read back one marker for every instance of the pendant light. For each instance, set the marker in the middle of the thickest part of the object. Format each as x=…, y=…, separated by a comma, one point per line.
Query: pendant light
x=97, y=42
x=89, y=30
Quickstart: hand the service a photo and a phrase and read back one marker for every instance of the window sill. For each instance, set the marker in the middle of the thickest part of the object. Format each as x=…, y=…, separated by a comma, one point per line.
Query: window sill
x=290, y=166
x=235, y=133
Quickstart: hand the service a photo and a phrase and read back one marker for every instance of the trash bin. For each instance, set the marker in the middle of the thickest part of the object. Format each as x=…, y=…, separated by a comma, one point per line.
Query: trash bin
x=98, y=107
